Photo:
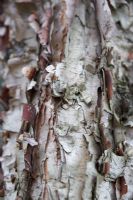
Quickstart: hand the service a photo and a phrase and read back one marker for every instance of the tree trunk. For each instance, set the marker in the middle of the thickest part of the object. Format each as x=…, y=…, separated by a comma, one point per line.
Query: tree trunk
x=66, y=108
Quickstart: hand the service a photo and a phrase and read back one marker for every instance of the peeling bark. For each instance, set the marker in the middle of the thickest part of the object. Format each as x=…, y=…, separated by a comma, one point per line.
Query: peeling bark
x=66, y=100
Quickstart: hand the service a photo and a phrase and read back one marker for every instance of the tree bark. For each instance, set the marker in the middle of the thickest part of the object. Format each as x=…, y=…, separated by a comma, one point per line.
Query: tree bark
x=66, y=108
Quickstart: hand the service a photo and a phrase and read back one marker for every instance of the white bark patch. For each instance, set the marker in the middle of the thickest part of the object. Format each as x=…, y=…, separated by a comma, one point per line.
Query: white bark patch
x=103, y=189
x=75, y=53
x=8, y=165
x=105, y=21
x=12, y=121
x=59, y=85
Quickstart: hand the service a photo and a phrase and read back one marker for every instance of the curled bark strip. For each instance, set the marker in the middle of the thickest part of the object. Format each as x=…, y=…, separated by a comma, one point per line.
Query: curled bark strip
x=123, y=188
x=40, y=119
x=108, y=84
x=59, y=32
x=29, y=113
x=104, y=20
x=63, y=16
x=106, y=168
x=44, y=37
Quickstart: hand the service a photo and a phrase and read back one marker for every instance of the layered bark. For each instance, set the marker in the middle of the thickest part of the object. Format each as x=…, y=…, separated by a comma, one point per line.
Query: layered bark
x=66, y=100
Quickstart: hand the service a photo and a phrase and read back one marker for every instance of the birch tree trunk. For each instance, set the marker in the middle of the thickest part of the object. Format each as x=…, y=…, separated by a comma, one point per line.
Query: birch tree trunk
x=66, y=106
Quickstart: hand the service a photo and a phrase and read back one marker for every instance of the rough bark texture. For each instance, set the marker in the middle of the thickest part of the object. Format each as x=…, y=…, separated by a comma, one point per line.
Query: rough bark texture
x=66, y=104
